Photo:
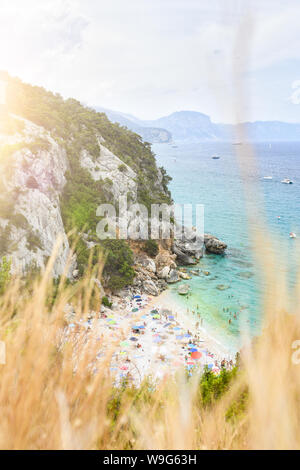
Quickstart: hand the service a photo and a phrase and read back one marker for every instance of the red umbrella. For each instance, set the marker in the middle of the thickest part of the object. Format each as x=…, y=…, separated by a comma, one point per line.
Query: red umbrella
x=196, y=355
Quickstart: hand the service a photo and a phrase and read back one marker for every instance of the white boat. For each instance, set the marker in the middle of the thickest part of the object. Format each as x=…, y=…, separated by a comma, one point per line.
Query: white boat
x=268, y=177
x=293, y=235
x=287, y=181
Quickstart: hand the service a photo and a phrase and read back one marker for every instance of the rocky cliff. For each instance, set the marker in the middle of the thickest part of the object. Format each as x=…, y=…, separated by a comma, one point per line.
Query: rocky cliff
x=58, y=161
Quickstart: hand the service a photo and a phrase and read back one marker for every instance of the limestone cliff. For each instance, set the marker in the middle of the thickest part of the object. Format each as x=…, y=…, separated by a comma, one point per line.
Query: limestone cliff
x=58, y=161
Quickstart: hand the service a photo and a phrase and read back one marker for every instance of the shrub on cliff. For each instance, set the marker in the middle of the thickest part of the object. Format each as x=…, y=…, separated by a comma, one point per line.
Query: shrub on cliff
x=151, y=247
x=118, y=266
x=5, y=266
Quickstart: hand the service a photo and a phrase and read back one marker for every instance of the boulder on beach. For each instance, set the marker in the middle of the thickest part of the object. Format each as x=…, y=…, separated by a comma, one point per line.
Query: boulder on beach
x=195, y=272
x=173, y=277
x=184, y=275
x=150, y=288
x=145, y=262
x=214, y=245
x=163, y=273
x=183, y=289
x=182, y=257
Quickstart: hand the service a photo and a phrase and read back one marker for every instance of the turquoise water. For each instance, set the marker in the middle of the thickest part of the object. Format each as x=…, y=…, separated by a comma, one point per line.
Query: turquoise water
x=217, y=184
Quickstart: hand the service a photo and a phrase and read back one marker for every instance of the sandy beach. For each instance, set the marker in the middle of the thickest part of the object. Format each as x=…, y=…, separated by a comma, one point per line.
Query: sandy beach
x=150, y=336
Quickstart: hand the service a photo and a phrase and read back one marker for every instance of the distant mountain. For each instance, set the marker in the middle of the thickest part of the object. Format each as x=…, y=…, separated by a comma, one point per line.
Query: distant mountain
x=187, y=125
x=272, y=131
x=193, y=126
x=152, y=134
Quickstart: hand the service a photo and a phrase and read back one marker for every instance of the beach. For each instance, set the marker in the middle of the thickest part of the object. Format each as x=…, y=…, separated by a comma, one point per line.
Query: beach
x=150, y=337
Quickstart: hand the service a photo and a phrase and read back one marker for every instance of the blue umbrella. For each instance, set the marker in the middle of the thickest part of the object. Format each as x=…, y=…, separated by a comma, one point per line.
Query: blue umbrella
x=167, y=324
x=210, y=366
x=179, y=337
x=193, y=349
x=137, y=297
x=171, y=317
x=191, y=345
x=187, y=335
x=176, y=328
x=133, y=339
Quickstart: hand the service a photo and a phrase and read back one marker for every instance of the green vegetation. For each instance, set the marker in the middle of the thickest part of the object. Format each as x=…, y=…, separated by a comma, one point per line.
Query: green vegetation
x=212, y=386
x=122, y=168
x=78, y=128
x=118, y=266
x=106, y=302
x=5, y=267
x=151, y=247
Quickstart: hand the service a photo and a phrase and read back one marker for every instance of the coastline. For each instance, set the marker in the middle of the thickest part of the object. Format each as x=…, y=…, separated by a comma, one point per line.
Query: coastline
x=160, y=347
x=190, y=320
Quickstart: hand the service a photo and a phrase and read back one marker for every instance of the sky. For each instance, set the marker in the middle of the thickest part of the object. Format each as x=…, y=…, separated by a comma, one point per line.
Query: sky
x=150, y=58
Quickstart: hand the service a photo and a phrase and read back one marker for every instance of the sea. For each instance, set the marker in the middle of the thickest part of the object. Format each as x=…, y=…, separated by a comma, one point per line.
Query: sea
x=228, y=293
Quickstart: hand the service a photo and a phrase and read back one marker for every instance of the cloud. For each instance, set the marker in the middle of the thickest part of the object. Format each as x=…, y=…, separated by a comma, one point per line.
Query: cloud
x=146, y=58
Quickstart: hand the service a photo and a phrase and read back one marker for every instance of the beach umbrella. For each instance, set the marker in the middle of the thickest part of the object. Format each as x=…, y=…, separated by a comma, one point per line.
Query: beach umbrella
x=191, y=345
x=154, y=311
x=210, y=366
x=135, y=310
x=156, y=316
x=137, y=297
x=141, y=327
x=193, y=349
x=124, y=368
x=124, y=344
x=176, y=328
x=187, y=335
x=167, y=324
x=157, y=339
x=179, y=337
x=171, y=317
x=133, y=339
x=196, y=355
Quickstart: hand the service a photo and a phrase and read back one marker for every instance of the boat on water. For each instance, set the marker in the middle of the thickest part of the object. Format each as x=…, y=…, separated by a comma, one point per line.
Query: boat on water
x=287, y=181
x=268, y=177
x=293, y=235
x=215, y=157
